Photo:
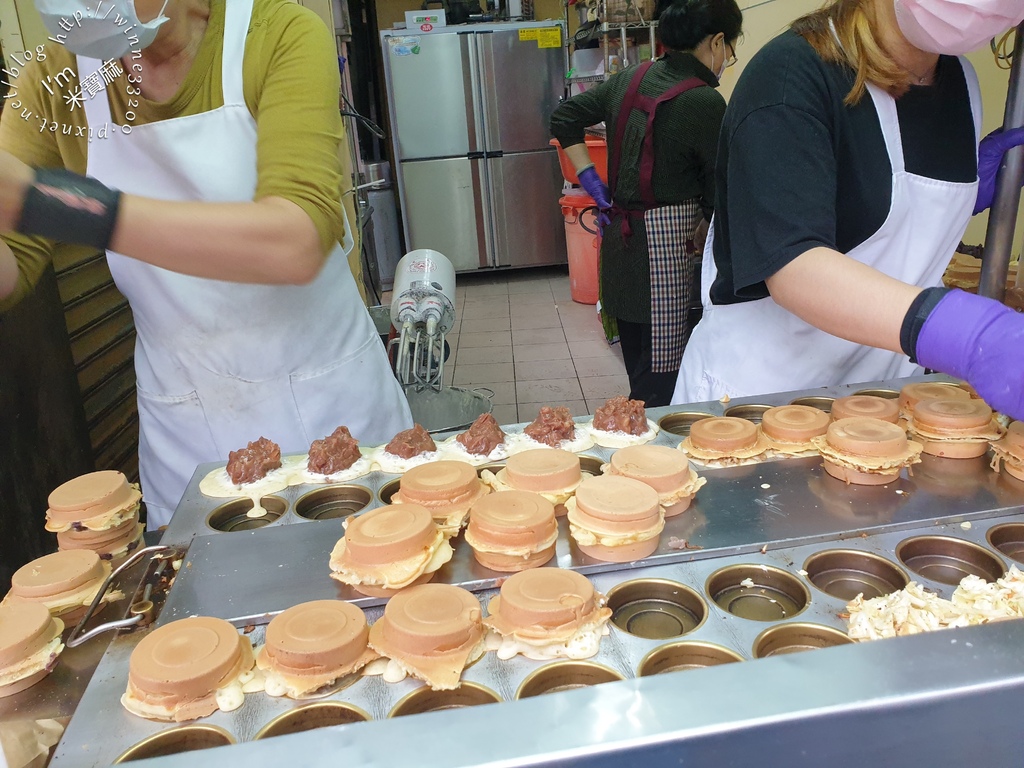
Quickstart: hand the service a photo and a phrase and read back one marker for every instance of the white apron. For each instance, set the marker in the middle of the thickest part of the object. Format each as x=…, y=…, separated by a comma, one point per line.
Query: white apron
x=758, y=347
x=219, y=364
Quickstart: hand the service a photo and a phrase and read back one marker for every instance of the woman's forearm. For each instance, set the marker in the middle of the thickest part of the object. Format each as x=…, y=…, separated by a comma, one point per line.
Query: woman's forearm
x=579, y=156
x=272, y=241
x=843, y=297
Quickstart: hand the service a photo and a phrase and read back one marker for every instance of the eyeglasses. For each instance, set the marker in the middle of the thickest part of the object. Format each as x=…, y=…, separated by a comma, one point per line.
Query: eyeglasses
x=732, y=57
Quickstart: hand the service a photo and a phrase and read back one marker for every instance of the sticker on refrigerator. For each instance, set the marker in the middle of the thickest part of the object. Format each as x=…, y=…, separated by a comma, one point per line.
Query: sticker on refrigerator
x=404, y=46
x=548, y=37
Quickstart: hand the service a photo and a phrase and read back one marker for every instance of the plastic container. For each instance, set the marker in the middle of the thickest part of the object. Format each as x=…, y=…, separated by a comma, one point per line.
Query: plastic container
x=598, y=149
x=583, y=243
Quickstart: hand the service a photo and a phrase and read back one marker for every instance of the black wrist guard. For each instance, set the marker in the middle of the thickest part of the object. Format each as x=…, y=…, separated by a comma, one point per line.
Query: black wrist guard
x=913, y=322
x=63, y=206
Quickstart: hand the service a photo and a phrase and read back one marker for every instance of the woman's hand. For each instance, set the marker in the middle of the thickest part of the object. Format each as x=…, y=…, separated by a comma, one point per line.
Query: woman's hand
x=15, y=179
x=579, y=156
x=990, y=157
x=979, y=340
x=596, y=188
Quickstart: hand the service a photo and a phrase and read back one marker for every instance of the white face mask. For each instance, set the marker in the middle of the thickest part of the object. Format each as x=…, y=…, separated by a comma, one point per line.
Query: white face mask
x=99, y=29
x=956, y=27
x=720, y=73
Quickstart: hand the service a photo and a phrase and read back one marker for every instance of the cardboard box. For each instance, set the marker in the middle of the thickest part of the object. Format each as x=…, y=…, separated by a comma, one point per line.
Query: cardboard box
x=417, y=20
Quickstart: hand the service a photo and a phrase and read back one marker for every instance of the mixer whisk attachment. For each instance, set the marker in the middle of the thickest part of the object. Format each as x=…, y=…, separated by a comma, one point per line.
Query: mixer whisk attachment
x=423, y=311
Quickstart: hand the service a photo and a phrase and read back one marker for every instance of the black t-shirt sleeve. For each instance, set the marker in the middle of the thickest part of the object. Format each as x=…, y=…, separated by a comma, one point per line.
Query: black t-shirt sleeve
x=777, y=168
x=782, y=192
x=798, y=168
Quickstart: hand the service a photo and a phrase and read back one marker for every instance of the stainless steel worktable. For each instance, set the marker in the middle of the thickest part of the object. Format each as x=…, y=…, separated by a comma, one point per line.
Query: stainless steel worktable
x=946, y=698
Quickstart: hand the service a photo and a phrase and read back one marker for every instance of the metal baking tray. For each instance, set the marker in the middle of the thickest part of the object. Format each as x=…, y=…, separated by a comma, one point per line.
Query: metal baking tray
x=247, y=577
x=102, y=730
x=741, y=509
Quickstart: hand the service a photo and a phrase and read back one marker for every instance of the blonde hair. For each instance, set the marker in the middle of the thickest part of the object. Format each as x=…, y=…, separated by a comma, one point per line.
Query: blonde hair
x=857, y=46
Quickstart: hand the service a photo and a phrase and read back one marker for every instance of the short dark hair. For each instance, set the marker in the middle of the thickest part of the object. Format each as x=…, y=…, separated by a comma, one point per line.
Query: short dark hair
x=682, y=24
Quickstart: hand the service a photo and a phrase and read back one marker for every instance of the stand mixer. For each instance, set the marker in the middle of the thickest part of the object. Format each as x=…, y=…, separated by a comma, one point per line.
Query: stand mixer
x=423, y=312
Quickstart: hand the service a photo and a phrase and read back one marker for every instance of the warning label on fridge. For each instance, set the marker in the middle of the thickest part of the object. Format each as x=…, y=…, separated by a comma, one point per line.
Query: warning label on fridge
x=548, y=37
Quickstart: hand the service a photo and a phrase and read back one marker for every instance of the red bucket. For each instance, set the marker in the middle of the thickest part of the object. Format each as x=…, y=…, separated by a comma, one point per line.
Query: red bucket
x=583, y=245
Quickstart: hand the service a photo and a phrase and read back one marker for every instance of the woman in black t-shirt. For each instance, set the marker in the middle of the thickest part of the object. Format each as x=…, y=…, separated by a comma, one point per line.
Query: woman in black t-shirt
x=847, y=173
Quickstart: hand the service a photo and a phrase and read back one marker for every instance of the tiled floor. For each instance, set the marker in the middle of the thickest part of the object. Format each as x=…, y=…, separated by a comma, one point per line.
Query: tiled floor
x=520, y=335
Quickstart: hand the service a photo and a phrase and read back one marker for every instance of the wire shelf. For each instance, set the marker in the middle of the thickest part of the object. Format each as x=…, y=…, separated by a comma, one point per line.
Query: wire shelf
x=612, y=26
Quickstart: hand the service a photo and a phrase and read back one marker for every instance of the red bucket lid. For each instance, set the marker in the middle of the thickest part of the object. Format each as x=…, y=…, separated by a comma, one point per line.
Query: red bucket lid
x=579, y=202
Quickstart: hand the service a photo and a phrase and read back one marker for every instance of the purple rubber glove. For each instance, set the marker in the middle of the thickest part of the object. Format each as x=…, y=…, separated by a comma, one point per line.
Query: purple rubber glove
x=979, y=340
x=990, y=157
x=603, y=220
x=596, y=188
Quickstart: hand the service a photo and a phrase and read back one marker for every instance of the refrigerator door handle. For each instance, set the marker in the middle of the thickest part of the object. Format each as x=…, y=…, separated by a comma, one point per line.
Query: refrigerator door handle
x=498, y=213
x=488, y=99
x=474, y=121
x=484, y=212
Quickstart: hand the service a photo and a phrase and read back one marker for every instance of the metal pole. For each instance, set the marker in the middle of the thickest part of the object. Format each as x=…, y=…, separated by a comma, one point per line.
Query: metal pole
x=1002, y=221
x=566, y=56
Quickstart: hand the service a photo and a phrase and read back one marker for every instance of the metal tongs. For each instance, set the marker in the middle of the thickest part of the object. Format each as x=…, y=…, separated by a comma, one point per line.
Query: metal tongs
x=141, y=611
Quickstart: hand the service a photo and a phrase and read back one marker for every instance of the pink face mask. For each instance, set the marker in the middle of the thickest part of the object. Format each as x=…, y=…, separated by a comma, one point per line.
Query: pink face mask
x=956, y=27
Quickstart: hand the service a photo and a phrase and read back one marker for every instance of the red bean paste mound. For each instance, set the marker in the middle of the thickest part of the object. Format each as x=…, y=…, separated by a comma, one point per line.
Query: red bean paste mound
x=411, y=442
x=620, y=414
x=483, y=436
x=252, y=463
x=552, y=426
x=333, y=454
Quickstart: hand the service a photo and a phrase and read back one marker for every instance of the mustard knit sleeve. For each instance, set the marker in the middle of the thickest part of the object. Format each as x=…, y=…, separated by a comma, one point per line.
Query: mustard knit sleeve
x=298, y=120
x=24, y=132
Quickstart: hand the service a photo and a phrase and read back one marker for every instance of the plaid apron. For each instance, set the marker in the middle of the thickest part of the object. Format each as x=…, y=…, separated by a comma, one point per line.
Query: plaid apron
x=674, y=263
x=675, y=281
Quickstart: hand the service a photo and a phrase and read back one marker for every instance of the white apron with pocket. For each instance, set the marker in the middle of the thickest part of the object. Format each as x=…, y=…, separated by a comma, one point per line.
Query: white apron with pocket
x=219, y=364
x=758, y=347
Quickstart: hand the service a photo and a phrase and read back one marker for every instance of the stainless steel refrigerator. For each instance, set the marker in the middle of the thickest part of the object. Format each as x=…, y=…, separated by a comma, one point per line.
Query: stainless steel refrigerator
x=469, y=108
